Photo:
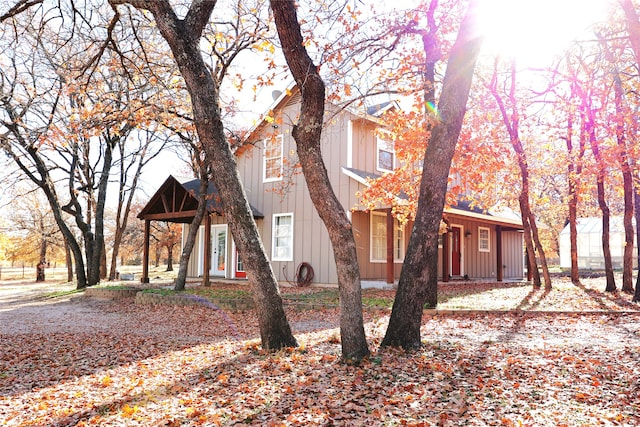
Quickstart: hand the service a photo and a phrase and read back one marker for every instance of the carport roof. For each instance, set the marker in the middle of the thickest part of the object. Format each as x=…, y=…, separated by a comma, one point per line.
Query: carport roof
x=176, y=201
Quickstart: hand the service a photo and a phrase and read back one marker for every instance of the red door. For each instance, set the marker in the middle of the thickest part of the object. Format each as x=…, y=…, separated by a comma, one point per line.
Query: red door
x=456, y=253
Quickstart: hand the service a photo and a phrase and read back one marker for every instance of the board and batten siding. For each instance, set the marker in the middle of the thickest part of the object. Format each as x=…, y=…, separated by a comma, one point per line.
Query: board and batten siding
x=311, y=241
x=512, y=254
x=483, y=265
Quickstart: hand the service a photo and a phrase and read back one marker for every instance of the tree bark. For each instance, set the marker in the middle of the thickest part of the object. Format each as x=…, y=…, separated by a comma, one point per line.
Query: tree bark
x=636, y=199
x=190, y=241
x=627, y=177
x=574, y=170
x=602, y=201
x=418, y=282
x=42, y=263
x=183, y=37
x=307, y=133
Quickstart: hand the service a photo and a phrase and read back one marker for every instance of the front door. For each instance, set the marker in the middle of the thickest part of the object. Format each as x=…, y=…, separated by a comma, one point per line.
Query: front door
x=456, y=252
x=218, y=250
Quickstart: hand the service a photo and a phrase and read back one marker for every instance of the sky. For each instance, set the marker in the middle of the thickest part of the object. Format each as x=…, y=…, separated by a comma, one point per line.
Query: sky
x=533, y=31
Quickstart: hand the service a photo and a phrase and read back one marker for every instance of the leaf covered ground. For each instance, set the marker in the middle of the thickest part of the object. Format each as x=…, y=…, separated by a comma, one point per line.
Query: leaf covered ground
x=570, y=357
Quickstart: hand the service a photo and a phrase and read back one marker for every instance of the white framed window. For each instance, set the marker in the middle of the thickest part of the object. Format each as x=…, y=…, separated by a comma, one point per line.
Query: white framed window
x=484, y=239
x=385, y=155
x=282, y=237
x=272, y=159
x=379, y=238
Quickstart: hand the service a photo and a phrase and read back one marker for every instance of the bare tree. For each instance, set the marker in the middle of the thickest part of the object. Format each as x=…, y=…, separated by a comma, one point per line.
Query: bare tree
x=183, y=36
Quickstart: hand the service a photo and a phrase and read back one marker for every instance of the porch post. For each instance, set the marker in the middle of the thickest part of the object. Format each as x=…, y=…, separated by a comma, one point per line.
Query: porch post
x=499, y=270
x=390, y=231
x=445, y=256
x=145, y=252
x=207, y=250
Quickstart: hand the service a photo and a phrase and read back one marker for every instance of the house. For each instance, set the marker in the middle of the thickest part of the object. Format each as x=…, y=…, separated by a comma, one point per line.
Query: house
x=589, y=239
x=477, y=244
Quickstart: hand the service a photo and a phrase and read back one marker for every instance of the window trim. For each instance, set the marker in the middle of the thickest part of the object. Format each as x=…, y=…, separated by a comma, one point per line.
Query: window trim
x=265, y=142
x=274, y=256
x=481, y=239
x=388, y=147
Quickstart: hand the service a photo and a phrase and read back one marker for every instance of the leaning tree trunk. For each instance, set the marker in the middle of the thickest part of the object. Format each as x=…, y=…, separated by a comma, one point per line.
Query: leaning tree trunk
x=183, y=37
x=190, y=241
x=530, y=246
x=307, y=133
x=512, y=123
x=418, y=282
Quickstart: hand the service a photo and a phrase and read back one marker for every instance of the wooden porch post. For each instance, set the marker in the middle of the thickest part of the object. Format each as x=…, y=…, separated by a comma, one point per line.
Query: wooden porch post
x=145, y=252
x=499, y=270
x=445, y=257
x=207, y=250
x=390, y=232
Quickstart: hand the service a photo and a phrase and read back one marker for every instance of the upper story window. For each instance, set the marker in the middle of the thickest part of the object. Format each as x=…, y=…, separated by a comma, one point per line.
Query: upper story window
x=483, y=239
x=272, y=161
x=385, y=155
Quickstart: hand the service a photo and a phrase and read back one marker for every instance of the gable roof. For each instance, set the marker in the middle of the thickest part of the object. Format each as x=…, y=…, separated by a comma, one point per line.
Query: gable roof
x=176, y=201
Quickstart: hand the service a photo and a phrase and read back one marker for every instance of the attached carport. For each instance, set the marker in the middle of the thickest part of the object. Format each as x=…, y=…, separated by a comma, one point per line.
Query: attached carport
x=177, y=201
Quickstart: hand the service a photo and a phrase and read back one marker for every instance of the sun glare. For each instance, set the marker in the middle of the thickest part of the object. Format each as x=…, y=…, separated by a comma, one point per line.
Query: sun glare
x=534, y=31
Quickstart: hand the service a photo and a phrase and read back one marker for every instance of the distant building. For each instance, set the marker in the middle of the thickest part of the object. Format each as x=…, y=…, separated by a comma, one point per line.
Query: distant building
x=590, y=254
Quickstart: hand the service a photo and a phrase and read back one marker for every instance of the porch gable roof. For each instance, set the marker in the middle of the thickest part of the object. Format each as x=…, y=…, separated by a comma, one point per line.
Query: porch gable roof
x=176, y=201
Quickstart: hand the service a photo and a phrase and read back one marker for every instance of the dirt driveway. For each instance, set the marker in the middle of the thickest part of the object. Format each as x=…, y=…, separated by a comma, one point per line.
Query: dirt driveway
x=28, y=307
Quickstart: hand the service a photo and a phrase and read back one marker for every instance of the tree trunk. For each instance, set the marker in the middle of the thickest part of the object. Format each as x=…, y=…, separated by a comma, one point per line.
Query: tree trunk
x=190, y=241
x=529, y=244
x=512, y=122
x=574, y=169
x=621, y=115
x=157, y=255
x=602, y=202
x=183, y=37
x=418, y=282
x=636, y=199
x=627, y=180
x=169, y=257
x=42, y=263
x=68, y=261
x=307, y=133
x=103, y=261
